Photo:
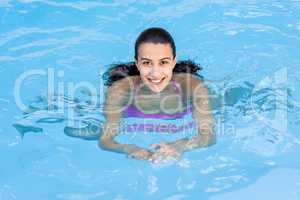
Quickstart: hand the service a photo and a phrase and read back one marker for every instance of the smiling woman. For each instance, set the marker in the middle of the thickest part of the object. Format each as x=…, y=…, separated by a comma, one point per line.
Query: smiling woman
x=156, y=71
x=156, y=89
x=50, y=60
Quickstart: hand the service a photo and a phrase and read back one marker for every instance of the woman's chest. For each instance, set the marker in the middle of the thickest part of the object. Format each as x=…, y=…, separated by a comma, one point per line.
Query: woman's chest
x=163, y=103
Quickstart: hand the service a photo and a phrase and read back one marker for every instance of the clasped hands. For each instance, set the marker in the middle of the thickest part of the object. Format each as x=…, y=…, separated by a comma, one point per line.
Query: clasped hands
x=159, y=153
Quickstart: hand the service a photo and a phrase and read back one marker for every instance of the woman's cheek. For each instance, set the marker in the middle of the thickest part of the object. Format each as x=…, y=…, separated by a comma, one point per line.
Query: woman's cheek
x=168, y=72
x=144, y=71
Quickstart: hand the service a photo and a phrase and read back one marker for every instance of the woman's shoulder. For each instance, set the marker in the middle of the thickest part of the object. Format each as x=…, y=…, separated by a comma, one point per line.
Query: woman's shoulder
x=124, y=84
x=187, y=79
x=191, y=84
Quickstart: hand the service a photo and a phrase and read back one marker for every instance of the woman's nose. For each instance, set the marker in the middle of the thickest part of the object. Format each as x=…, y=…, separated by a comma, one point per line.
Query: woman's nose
x=155, y=71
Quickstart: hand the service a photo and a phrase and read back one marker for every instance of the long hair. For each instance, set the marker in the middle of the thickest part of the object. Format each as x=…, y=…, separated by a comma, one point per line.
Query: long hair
x=154, y=35
x=121, y=70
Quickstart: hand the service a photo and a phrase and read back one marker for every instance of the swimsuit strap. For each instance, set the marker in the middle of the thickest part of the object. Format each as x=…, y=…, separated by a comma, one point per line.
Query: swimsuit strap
x=179, y=90
x=176, y=86
x=136, y=86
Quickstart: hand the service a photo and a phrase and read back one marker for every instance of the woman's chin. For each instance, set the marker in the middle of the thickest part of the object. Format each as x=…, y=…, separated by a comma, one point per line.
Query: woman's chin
x=157, y=88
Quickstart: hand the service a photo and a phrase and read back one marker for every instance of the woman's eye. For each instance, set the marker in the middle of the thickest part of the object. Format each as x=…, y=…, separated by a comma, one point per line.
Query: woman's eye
x=146, y=63
x=164, y=62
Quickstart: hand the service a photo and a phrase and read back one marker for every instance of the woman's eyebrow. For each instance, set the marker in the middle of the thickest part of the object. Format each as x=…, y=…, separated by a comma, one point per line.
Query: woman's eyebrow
x=145, y=59
x=165, y=58
x=159, y=59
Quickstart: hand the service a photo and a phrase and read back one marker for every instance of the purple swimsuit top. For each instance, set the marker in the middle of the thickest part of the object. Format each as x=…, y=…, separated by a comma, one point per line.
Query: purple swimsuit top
x=133, y=111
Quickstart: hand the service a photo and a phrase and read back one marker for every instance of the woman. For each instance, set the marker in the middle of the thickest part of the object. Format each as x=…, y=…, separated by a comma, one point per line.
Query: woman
x=149, y=88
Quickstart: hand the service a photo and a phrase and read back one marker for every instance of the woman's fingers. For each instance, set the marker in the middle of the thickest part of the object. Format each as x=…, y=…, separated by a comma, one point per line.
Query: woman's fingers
x=156, y=158
x=164, y=153
x=159, y=156
x=140, y=154
x=157, y=146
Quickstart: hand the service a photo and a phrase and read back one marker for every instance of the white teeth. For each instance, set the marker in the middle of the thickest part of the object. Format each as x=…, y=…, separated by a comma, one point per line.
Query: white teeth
x=155, y=81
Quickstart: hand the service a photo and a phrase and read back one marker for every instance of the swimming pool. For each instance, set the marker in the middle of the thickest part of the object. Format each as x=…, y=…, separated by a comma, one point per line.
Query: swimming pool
x=250, y=55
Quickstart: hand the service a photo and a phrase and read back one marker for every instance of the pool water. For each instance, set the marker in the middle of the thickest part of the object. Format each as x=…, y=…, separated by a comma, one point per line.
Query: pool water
x=52, y=57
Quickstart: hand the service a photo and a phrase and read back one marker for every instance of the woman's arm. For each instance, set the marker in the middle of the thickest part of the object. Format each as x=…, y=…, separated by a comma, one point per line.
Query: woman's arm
x=118, y=96
x=196, y=90
x=114, y=104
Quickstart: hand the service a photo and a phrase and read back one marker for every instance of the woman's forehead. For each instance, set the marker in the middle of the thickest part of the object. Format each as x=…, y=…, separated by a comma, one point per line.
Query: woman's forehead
x=155, y=51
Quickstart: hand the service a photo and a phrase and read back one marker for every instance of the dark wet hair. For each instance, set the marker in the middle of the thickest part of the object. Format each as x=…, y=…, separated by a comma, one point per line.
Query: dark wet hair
x=152, y=35
x=118, y=71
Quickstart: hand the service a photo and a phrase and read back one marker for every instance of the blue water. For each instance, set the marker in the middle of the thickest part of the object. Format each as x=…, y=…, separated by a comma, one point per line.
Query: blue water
x=250, y=57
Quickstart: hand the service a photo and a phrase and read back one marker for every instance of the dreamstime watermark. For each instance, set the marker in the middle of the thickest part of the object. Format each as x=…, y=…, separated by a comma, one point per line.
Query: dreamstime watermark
x=173, y=100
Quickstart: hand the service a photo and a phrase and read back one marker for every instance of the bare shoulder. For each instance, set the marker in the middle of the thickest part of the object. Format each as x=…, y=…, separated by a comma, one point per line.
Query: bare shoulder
x=188, y=80
x=123, y=85
x=119, y=93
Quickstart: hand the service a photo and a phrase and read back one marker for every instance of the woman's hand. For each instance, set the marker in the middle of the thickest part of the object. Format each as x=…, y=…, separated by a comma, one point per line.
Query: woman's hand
x=136, y=152
x=164, y=152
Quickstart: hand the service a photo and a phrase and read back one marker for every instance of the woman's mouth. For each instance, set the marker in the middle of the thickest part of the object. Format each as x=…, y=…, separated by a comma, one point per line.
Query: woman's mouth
x=156, y=81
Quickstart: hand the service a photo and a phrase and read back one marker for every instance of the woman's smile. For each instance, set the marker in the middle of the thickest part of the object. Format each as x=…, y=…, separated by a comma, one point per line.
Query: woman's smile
x=156, y=63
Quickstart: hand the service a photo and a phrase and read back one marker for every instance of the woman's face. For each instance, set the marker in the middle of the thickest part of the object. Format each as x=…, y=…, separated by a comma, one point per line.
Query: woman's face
x=155, y=63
